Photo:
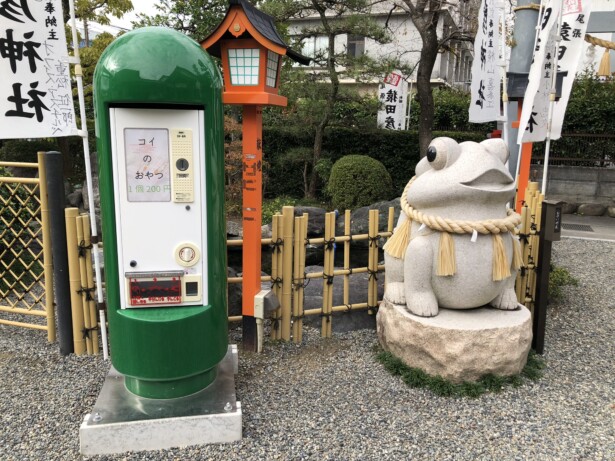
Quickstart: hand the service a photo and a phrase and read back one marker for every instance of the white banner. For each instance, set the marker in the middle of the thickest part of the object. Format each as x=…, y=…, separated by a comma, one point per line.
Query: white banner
x=36, y=99
x=574, y=24
x=486, y=73
x=533, y=121
x=393, y=96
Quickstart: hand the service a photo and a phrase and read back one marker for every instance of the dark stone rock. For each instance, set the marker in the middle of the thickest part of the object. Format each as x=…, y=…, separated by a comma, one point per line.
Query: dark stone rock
x=569, y=208
x=359, y=219
x=342, y=321
x=75, y=199
x=233, y=229
x=591, y=209
x=316, y=220
x=234, y=294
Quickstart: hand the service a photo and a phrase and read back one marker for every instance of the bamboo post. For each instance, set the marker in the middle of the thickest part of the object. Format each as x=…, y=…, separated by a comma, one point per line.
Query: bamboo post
x=331, y=271
x=298, y=268
x=87, y=237
x=83, y=285
x=347, y=231
x=301, y=279
x=372, y=290
x=390, y=227
x=70, y=215
x=519, y=288
x=276, y=272
x=325, y=285
x=287, y=285
x=296, y=245
x=47, y=258
x=531, y=190
x=329, y=264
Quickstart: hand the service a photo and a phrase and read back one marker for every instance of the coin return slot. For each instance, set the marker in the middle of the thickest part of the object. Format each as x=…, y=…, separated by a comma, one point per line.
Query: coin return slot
x=192, y=288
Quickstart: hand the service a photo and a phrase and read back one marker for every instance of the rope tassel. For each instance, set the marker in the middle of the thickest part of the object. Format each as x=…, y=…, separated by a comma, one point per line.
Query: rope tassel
x=397, y=244
x=517, y=261
x=501, y=268
x=446, y=256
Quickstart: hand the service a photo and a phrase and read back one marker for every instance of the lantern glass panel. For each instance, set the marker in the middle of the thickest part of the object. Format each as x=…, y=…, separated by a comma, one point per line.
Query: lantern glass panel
x=243, y=66
x=272, y=68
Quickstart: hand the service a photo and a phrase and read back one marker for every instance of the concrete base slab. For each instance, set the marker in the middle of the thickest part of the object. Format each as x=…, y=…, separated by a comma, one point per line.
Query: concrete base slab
x=121, y=421
x=459, y=345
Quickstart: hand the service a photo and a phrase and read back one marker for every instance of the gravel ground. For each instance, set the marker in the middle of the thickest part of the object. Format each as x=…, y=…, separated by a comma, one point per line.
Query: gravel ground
x=330, y=399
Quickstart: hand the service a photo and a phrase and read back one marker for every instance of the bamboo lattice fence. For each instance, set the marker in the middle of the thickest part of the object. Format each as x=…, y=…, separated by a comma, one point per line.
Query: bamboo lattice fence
x=288, y=277
x=26, y=272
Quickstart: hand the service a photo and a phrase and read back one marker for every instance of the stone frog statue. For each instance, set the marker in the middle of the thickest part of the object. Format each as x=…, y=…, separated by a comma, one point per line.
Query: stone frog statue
x=454, y=245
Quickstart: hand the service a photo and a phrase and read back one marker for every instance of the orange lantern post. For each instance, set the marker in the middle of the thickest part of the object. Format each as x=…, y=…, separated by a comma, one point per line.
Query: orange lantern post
x=250, y=49
x=525, y=157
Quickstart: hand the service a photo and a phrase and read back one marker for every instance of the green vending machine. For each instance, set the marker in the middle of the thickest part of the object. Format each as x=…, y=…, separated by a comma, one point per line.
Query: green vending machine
x=159, y=133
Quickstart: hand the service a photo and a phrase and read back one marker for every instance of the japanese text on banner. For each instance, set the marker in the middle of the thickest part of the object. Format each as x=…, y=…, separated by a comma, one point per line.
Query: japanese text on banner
x=575, y=16
x=485, y=88
x=35, y=93
x=393, y=96
x=533, y=120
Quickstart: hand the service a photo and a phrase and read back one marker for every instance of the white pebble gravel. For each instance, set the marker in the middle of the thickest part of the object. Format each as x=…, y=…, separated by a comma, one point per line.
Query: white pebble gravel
x=331, y=400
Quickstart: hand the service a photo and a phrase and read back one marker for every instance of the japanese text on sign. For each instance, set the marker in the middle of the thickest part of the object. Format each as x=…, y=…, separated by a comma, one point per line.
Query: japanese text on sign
x=393, y=95
x=485, y=87
x=147, y=165
x=35, y=93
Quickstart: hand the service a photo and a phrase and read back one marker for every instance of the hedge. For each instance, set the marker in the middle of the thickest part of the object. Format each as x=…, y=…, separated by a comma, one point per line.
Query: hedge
x=398, y=151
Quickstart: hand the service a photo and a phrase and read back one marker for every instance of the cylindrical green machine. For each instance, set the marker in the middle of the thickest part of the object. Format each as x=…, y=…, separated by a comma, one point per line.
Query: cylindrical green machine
x=159, y=131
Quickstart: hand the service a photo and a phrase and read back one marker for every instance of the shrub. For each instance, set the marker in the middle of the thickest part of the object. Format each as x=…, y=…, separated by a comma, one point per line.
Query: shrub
x=397, y=150
x=558, y=278
x=358, y=180
x=275, y=205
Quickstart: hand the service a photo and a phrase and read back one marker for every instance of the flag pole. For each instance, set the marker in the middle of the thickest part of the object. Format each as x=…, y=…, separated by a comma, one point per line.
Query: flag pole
x=504, y=65
x=75, y=59
x=552, y=93
x=520, y=144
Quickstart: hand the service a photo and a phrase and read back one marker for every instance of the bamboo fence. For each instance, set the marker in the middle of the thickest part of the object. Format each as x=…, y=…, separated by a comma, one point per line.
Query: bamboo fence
x=26, y=271
x=531, y=211
x=288, y=279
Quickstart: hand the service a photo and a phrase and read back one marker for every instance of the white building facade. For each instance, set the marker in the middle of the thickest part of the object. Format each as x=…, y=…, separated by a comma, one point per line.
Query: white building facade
x=454, y=61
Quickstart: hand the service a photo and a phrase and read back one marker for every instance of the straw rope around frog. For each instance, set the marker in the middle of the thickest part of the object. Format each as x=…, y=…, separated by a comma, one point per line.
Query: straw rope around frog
x=397, y=244
x=489, y=226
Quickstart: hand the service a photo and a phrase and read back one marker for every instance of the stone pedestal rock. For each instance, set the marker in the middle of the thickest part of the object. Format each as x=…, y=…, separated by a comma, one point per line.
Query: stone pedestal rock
x=458, y=345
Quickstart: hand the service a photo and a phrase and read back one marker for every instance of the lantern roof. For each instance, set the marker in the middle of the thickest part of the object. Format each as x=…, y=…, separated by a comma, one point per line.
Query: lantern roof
x=259, y=26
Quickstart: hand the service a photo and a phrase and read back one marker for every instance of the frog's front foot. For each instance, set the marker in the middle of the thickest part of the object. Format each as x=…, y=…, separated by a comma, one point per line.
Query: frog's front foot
x=420, y=298
x=394, y=293
x=506, y=300
x=422, y=303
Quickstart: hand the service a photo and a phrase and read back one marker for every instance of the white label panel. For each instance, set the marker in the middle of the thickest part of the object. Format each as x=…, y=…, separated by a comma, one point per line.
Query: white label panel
x=150, y=231
x=147, y=165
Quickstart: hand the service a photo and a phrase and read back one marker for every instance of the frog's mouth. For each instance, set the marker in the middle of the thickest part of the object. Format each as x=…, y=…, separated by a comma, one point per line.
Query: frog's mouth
x=491, y=180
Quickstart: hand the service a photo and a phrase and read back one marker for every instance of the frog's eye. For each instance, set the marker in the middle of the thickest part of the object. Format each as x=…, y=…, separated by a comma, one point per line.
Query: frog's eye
x=442, y=152
x=436, y=157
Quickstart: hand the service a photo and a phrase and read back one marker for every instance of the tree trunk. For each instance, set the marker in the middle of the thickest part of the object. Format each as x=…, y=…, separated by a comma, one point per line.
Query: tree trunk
x=429, y=53
x=318, y=137
x=320, y=129
x=86, y=33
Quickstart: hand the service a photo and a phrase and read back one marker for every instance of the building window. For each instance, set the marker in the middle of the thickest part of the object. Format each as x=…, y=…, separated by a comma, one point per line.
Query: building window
x=315, y=47
x=356, y=46
x=243, y=65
